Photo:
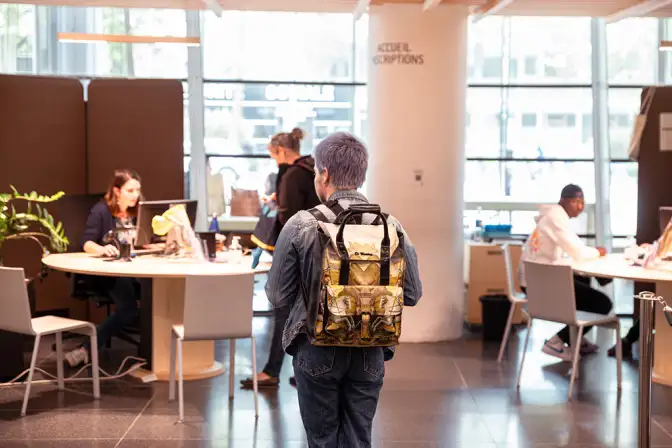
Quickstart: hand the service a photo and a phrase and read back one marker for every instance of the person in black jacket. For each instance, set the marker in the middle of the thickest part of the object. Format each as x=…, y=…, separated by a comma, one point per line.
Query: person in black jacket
x=118, y=209
x=295, y=191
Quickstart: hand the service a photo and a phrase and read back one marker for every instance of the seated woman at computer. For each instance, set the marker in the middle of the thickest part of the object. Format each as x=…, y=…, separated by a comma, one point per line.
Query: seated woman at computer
x=552, y=242
x=118, y=209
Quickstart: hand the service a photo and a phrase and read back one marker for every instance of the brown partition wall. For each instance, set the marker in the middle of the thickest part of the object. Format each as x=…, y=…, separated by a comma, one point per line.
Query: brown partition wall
x=42, y=148
x=137, y=124
x=653, y=180
x=42, y=134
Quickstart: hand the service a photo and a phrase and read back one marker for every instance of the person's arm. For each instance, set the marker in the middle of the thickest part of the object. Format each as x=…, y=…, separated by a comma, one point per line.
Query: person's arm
x=569, y=241
x=291, y=198
x=284, y=277
x=412, y=283
x=93, y=232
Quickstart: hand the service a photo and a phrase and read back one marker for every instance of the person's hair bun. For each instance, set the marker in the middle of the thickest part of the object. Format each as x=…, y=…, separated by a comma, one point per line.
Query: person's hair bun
x=297, y=133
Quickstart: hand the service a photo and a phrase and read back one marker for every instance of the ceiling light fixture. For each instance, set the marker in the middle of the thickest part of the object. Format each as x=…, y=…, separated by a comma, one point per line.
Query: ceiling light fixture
x=126, y=39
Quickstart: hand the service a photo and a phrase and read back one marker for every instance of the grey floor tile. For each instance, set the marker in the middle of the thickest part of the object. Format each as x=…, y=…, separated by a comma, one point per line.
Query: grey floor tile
x=65, y=424
x=435, y=395
x=70, y=443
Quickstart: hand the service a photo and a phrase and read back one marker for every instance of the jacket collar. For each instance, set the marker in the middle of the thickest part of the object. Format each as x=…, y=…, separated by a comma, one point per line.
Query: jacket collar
x=348, y=194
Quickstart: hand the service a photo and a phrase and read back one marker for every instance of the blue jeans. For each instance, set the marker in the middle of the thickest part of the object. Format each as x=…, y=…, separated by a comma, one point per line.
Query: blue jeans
x=124, y=294
x=338, y=392
x=276, y=355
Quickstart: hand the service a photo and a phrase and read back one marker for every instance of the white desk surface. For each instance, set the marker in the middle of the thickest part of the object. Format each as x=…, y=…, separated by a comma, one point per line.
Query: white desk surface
x=616, y=266
x=147, y=266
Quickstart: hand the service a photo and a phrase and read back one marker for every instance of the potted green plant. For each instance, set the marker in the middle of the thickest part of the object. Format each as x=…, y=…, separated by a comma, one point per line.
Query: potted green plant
x=35, y=223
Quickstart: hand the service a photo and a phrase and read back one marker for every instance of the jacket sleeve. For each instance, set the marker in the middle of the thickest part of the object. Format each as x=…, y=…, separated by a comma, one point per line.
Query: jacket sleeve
x=284, y=276
x=94, y=227
x=412, y=283
x=569, y=241
x=292, y=197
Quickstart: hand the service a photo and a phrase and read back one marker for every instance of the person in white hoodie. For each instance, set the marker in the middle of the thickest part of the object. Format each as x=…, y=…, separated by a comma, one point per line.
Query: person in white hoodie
x=553, y=242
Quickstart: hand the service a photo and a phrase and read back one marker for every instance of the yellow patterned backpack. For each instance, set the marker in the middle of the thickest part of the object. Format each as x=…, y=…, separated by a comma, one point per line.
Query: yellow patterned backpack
x=361, y=290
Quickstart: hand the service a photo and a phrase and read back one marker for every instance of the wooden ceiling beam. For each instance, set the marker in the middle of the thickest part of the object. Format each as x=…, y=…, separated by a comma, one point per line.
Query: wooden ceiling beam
x=642, y=8
x=429, y=4
x=360, y=9
x=492, y=7
x=214, y=6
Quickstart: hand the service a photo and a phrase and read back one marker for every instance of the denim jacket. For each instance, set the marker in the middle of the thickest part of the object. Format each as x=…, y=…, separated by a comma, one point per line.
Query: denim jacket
x=297, y=264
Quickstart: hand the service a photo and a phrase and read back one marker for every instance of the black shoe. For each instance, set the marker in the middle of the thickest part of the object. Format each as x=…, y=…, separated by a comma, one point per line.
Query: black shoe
x=626, y=347
x=268, y=383
x=292, y=381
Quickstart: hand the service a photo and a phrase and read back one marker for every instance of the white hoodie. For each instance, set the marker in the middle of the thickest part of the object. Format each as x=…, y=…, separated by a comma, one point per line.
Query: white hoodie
x=552, y=241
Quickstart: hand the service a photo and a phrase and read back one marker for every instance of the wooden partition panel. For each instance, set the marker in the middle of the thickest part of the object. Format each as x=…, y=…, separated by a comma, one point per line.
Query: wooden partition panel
x=42, y=148
x=653, y=181
x=655, y=167
x=137, y=124
x=42, y=134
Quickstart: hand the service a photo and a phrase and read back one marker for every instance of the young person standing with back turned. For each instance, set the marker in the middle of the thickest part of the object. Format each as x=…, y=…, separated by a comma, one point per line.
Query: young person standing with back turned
x=338, y=386
x=295, y=191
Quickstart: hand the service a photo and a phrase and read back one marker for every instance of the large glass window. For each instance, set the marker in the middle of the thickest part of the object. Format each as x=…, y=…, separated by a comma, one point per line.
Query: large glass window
x=632, y=46
x=529, y=182
x=540, y=123
x=17, y=38
x=516, y=125
x=486, y=46
x=623, y=108
x=623, y=195
x=273, y=46
x=241, y=118
x=550, y=50
x=29, y=41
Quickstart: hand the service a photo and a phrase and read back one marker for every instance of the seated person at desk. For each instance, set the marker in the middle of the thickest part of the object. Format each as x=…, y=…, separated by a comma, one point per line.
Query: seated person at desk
x=550, y=241
x=118, y=209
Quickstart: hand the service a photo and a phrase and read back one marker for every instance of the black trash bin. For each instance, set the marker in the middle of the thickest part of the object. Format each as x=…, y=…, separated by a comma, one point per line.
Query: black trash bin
x=494, y=313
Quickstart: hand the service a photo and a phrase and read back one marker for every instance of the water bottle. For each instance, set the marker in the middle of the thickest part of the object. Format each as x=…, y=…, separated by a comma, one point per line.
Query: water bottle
x=478, y=229
x=235, y=251
x=214, y=224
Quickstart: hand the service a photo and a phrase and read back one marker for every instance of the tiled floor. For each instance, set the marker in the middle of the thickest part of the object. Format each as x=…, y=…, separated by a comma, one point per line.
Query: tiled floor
x=435, y=395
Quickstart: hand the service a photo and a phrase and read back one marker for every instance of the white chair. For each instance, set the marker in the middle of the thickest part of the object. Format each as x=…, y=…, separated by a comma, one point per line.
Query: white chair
x=215, y=308
x=550, y=295
x=15, y=317
x=516, y=299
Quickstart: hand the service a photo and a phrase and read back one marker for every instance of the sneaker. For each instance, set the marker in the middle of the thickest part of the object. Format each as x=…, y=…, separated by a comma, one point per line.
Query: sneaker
x=588, y=348
x=77, y=357
x=266, y=383
x=555, y=347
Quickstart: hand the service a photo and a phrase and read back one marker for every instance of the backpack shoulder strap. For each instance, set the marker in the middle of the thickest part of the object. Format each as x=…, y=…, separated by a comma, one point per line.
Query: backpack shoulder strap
x=327, y=212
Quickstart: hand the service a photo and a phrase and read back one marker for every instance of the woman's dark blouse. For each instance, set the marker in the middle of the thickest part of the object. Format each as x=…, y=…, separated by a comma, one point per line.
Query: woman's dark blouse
x=98, y=224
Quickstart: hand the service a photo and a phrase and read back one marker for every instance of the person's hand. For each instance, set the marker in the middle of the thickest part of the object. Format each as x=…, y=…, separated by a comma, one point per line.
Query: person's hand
x=602, y=251
x=109, y=251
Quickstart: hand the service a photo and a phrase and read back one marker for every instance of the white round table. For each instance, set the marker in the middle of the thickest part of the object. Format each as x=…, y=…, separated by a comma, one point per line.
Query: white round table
x=167, y=301
x=654, y=361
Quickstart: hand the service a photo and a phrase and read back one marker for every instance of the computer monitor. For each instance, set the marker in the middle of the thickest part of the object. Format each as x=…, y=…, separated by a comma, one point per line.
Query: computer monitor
x=147, y=210
x=665, y=215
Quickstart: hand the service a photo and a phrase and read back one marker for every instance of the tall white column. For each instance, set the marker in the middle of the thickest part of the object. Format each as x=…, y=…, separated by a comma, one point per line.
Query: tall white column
x=417, y=94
